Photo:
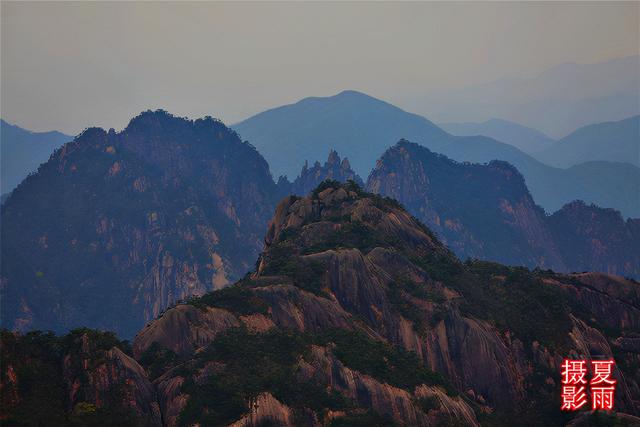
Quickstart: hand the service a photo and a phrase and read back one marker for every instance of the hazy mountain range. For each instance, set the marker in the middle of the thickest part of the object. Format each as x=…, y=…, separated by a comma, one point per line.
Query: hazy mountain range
x=556, y=101
x=363, y=127
x=22, y=151
x=616, y=141
x=117, y=226
x=524, y=138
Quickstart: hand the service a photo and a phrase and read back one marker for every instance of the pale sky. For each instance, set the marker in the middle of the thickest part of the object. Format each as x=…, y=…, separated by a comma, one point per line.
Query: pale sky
x=67, y=66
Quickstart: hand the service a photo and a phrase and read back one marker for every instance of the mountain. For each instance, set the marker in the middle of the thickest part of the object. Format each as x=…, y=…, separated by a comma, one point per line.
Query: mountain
x=334, y=168
x=117, y=226
x=524, y=138
x=355, y=315
x=611, y=141
x=596, y=239
x=556, y=101
x=22, y=151
x=608, y=184
x=480, y=211
x=362, y=128
x=486, y=212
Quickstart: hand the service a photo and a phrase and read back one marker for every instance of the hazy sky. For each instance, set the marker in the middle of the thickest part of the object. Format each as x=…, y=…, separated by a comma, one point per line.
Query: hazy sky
x=67, y=66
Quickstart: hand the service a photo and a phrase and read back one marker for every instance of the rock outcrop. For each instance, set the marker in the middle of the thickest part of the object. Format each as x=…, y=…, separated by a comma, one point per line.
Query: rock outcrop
x=334, y=169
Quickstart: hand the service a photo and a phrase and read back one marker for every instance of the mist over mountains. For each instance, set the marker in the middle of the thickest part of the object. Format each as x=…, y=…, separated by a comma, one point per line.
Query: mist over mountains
x=617, y=141
x=556, y=101
x=117, y=226
x=524, y=138
x=22, y=151
x=362, y=128
x=144, y=231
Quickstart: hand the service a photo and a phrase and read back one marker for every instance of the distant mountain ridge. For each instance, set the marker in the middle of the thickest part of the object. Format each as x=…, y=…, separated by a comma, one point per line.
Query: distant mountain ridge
x=362, y=128
x=617, y=141
x=22, y=151
x=288, y=136
x=556, y=101
x=522, y=137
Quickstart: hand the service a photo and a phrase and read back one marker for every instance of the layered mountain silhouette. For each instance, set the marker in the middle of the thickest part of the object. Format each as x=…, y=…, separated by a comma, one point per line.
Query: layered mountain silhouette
x=557, y=101
x=334, y=168
x=116, y=226
x=22, y=151
x=363, y=127
x=617, y=141
x=487, y=212
x=522, y=137
x=356, y=314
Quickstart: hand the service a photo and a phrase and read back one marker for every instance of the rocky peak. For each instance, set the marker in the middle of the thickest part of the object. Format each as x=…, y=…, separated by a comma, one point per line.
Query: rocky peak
x=163, y=210
x=333, y=159
x=479, y=211
x=334, y=168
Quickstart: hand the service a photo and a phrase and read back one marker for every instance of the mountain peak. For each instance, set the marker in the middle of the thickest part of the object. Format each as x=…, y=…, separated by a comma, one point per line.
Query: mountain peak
x=358, y=219
x=309, y=178
x=350, y=93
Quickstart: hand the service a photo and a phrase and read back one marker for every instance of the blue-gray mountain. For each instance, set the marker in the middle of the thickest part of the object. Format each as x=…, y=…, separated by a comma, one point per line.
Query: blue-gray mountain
x=362, y=128
x=617, y=141
x=486, y=212
x=359, y=126
x=22, y=151
x=556, y=101
x=116, y=226
x=522, y=137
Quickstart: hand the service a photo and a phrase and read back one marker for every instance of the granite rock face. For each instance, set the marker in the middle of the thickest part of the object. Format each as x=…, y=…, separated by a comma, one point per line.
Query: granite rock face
x=355, y=313
x=348, y=261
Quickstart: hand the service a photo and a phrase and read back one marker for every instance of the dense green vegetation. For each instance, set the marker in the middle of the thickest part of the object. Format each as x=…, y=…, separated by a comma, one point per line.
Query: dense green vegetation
x=40, y=394
x=251, y=363
x=157, y=360
x=237, y=299
x=386, y=363
x=517, y=300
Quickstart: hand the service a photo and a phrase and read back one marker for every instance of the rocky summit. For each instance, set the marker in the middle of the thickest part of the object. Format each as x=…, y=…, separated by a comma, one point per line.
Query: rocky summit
x=117, y=226
x=356, y=314
x=334, y=168
x=485, y=211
